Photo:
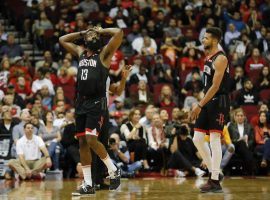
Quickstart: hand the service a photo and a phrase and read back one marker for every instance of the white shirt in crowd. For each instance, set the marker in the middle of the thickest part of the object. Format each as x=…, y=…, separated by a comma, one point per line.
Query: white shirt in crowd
x=30, y=148
x=37, y=85
x=137, y=44
x=240, y=130
x=152, y=143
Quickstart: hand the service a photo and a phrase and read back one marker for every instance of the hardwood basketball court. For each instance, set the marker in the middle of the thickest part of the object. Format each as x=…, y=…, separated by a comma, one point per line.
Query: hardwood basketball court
x=144, y=188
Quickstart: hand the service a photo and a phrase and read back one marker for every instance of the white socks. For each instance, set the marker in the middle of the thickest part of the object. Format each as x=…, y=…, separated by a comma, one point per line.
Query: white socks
x=215, y=144
x=109, y=164
x=203, y=148
x=87, y=174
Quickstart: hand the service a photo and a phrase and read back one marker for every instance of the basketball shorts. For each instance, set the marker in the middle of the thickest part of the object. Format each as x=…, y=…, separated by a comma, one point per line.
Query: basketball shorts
x=89, y=117
x=214, y=115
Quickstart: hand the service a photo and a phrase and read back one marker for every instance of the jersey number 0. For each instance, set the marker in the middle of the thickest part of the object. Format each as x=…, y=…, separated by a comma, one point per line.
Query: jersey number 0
x=84, y=74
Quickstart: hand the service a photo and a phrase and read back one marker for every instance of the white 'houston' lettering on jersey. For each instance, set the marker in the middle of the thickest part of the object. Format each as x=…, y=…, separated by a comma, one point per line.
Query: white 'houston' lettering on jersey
x=88, y=63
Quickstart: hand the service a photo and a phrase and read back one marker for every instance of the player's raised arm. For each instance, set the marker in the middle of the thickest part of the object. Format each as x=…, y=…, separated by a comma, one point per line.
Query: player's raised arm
x=67, y=41
x=114, y=43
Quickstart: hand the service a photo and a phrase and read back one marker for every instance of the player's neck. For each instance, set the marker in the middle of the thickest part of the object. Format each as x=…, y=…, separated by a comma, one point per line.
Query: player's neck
x=89, y=53
x=212, y=52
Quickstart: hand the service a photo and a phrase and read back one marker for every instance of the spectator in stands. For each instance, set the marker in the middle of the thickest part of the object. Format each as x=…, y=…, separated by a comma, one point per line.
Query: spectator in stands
x=264, y=43
x=17, y=99
x=262, y=136
x=52, y=11
x=195, y=84
x=188, y=17
x=4, y=72
x=151, y=29
x=135, y=135
x=237, y=82
x=247, y=95
x=140, y=76
x=242, y=136
x=64, y=78
x=11, y=50
x=185, y=156
x=146, y=121
x=23, y=88
x=210, y=23
x=170, y=50
x=164, y=115
x=143, y=96
x=39, y=28
x=7, y=123
x=162, y=71
x=145, y=46
x=47, y=58
x=234, y=19
x=255, y=119
x=243, y=46
x=255, y=61
x=118, y=105
x=166, y=97
x=117, y=63
x=189, y=41
x=3, y=35
x=158, y=145
x=113, y=12
x=230, y=34
x=121, y=157
x=67, y=119
x=47, y=99
x=52, y=138
x=88, y=7
x=41, y=81
x=30, y=164
x=264, y=79
x=8, y=100
x=134, y=34
x=18, y=130
x=172, y=30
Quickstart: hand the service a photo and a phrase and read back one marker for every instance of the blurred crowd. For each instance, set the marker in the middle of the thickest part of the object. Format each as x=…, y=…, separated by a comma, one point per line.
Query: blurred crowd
x=149, y=126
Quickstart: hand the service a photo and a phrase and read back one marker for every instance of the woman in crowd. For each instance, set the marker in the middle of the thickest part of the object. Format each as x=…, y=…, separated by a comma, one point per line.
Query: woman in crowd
x=135, y=135
x=262, y=138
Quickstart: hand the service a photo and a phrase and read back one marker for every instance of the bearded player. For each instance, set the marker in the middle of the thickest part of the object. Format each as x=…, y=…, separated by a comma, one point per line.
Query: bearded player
x=91, y=102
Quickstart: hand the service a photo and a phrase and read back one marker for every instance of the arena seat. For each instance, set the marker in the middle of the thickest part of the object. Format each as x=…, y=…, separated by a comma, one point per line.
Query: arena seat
x=265, y=95
x=250, y=111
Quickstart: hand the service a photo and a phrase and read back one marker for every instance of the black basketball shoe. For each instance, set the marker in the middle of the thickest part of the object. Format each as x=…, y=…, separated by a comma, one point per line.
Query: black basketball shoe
x=115, y=179
x=84, y=190
x=212, y=186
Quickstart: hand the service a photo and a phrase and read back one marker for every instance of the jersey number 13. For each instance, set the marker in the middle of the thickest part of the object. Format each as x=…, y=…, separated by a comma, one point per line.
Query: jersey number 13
x=84, y=74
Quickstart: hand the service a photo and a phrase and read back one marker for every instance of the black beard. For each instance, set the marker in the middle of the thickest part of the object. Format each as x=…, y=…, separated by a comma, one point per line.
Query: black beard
x=93, y=45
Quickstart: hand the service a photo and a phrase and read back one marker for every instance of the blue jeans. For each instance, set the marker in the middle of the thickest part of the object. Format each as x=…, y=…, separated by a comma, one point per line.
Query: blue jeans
x=134, y=166
x=54, y=151
x=226, y=156
x=264, y=149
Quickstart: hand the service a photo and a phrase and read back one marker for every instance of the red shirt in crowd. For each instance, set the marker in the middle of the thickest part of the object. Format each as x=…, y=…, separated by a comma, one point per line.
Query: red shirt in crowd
x=116, y=59
x=251, y=64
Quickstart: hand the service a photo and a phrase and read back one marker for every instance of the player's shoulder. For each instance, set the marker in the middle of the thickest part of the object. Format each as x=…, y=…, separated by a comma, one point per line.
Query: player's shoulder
x=221, y=58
